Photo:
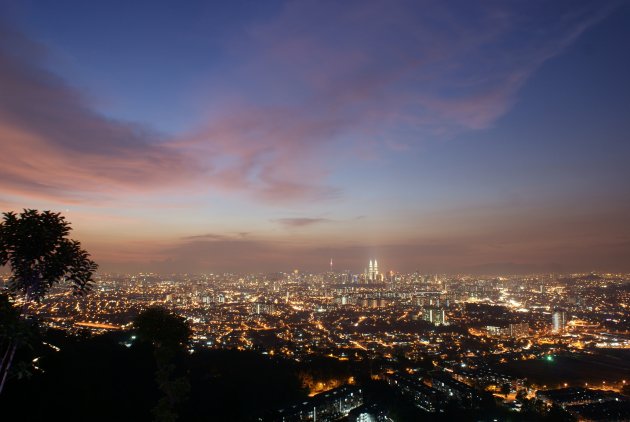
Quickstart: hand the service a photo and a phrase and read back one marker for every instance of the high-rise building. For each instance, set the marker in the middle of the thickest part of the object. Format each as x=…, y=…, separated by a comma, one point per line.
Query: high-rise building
x=512, y=330
x=558, y=320
x=497, y=331
x=434, y=315
x=262, y=308
x=372, y=274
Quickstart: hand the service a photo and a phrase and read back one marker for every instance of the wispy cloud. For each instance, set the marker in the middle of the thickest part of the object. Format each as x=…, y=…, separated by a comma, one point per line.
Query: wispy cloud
x=301, y=222
x=357, y=75
x=298, y=98
x=55, y=146
x=217, y=237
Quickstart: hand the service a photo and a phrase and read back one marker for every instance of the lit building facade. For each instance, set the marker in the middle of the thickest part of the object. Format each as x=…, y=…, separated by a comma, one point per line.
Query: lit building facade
x=558, y=321
x=372, y=273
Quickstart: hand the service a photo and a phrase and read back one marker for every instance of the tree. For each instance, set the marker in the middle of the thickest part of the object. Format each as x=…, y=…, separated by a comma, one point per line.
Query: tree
x=15, y=330
x=165, y=331
x=168, y=334
x=39, y=254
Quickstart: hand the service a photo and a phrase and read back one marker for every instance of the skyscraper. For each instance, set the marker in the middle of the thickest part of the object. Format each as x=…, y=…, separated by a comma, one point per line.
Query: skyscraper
x=558, y=320
x=434, y=315
x=372, y=274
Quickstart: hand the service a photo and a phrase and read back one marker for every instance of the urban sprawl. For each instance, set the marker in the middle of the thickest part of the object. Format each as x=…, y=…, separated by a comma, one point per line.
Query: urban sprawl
x=436, y=338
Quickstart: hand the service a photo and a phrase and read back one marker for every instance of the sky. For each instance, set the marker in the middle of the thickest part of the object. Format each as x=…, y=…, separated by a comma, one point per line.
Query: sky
x=437, y=136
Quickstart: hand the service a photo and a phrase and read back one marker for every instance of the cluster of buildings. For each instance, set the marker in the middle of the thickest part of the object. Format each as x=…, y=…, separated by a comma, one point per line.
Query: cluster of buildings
x=371, y=272
x=436, y=391
x=587, y=404
x=517, y=330
x=377, y=312
x=466, y=324
x=328, y=406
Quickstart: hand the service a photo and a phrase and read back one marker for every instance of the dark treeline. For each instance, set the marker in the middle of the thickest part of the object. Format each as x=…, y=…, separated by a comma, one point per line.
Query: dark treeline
x=102, y=378
x=99, y=378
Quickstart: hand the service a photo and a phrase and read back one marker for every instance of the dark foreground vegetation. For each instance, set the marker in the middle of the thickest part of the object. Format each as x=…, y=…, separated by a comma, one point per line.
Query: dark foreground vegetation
x=99, y=378
x=112, y=377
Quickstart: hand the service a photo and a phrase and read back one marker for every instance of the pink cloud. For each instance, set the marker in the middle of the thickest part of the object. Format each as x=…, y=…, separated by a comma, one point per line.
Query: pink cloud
x=54, y=146
x=301, y=221
x=306, y=87
x=272, y=153
x=322, y=77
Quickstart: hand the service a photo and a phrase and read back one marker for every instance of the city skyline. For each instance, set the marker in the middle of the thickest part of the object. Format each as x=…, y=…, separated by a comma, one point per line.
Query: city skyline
x=270, y=136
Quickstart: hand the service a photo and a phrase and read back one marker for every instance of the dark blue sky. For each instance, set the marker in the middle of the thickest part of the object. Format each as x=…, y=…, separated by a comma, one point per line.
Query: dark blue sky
x=270, y=135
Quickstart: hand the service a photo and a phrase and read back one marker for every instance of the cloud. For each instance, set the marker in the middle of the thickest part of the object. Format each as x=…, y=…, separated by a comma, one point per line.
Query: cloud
x=270, y=152
x=216, y=237
x=434, y=66
x=55, y=146
x=301, y=222
x=303, y=98
x=207, y=236
x=300, y=100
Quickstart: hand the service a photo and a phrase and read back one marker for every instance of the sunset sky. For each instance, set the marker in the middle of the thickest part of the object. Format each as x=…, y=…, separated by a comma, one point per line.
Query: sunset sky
x=441, y=136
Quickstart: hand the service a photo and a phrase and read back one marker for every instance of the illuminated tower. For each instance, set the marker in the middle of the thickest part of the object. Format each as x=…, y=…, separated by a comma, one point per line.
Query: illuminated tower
x=372, y=274
x=558, y=319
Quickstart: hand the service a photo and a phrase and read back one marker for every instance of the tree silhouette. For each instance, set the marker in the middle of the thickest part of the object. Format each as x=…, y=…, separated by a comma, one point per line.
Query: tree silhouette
x=168, y=334
x=15, y=330
x=165, y=331
x=39, y=254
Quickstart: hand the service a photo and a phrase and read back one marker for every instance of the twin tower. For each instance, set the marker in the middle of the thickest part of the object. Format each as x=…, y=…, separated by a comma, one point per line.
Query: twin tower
x=372, y=272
